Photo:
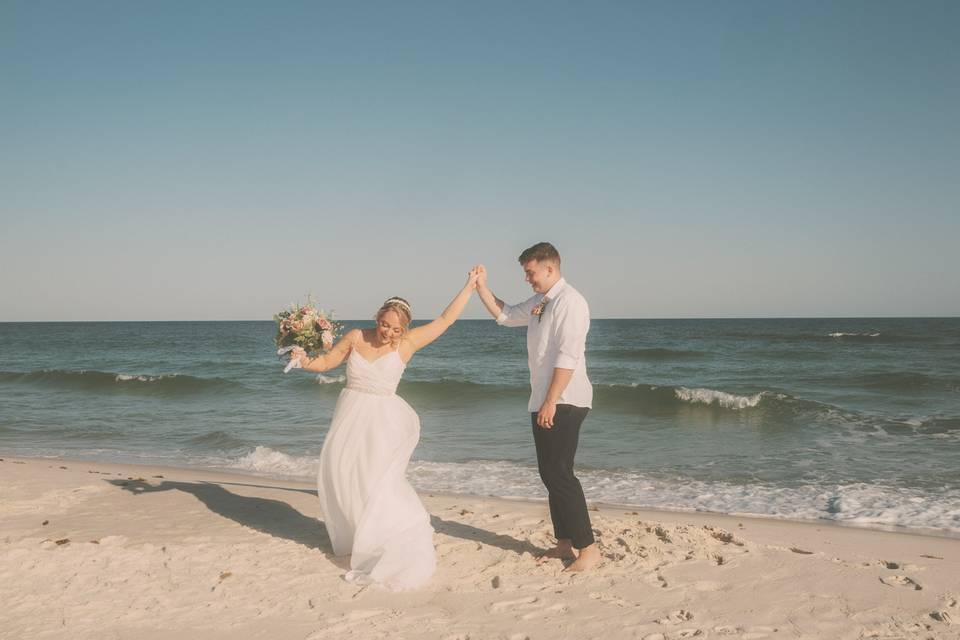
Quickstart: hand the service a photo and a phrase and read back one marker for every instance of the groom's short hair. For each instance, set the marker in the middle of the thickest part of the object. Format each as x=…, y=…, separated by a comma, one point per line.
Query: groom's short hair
x=541, y=252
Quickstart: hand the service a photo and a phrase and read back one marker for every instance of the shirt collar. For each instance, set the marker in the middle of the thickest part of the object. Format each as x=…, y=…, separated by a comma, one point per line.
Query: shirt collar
x=555, y=289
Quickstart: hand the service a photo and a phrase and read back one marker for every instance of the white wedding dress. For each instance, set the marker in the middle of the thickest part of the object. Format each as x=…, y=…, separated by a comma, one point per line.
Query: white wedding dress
x=370, y=510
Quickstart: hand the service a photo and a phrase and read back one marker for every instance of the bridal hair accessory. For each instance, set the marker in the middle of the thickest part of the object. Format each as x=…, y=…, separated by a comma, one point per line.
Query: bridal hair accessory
x=538, y=310
x=399, y=301
x=306, y=327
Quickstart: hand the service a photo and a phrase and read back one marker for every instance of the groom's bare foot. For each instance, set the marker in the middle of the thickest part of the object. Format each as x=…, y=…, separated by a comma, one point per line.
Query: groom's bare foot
x=587, y=559
x=563, y=551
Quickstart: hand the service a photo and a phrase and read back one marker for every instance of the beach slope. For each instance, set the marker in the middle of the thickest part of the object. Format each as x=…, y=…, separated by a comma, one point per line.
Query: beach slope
x=97, y=550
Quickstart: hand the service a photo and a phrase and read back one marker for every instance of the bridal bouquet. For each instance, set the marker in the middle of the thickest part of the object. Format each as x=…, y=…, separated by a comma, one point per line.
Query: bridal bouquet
x=306, y=327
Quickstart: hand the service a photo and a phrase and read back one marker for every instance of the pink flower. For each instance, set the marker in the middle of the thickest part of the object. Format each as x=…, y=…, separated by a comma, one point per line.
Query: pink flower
x=538, y=310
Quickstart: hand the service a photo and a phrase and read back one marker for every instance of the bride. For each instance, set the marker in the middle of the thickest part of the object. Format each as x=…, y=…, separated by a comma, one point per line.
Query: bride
x=370, y=510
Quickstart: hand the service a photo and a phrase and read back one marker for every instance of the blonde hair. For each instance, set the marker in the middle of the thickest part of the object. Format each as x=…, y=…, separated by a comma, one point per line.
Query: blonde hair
x=398, y=305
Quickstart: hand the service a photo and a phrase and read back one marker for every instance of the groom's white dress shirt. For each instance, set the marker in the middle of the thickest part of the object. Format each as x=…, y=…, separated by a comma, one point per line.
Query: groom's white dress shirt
x=556, y=338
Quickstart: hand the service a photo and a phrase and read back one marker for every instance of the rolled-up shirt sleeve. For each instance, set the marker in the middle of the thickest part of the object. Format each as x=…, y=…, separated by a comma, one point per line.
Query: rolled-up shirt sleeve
x=572, y=325
x=517, y=315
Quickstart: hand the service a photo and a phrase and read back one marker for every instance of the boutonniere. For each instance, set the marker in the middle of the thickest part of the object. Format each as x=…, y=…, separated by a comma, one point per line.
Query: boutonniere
x=538, y=310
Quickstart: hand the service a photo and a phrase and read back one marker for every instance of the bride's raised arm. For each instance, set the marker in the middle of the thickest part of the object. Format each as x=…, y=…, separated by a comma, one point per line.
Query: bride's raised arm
x=331, y=359
x=419, y=337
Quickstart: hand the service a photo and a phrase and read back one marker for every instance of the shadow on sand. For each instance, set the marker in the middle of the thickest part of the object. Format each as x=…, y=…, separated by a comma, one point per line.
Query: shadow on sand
x=468, y=532
x=280, y=520
x=272, y=517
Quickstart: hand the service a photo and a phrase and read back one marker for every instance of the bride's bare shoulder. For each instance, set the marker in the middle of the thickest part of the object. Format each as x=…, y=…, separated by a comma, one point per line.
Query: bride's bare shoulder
x=353, y=336
x=406, y=350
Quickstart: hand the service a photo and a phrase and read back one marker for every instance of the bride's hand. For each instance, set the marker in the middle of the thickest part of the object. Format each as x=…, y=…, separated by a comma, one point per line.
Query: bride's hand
x=472, y=277
x=298, y=354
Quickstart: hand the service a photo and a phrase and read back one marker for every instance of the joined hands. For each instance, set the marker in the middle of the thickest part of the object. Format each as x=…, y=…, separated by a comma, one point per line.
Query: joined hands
x=475, y=275
x=481, y=276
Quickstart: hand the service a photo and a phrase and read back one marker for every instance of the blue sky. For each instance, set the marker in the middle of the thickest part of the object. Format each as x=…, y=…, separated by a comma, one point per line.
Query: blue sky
x=185, y=160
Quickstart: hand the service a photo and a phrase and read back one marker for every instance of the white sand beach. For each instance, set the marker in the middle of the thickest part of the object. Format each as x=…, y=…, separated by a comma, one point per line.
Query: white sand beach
x=96, y=550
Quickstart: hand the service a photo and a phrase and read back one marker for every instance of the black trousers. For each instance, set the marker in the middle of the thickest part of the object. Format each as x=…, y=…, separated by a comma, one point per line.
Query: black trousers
x=556, y=448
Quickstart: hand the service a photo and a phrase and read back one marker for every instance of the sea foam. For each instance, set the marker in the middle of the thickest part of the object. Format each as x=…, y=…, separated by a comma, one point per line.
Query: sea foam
x=270, y=462
x=855, y=503
x=842, y=334
x=721, y=398
x=127, y=377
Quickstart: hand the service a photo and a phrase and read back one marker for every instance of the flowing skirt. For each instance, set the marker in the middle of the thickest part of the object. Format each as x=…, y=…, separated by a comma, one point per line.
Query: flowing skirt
x=370, y=510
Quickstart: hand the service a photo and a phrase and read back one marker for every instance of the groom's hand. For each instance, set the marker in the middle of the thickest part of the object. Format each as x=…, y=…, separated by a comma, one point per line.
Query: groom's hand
x=547, y=412
x=481, y=275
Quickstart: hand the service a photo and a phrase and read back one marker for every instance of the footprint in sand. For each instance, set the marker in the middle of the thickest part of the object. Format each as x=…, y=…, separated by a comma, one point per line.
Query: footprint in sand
x=723, y=536
x=621, y=552
x=530, y=607
x=661, y=533
x=607, y=598
x=678, y=616
x=514, y=605
x=901, y=581
x=941, y=616
x=348, y=622
x=365, y=614
x=549, y=611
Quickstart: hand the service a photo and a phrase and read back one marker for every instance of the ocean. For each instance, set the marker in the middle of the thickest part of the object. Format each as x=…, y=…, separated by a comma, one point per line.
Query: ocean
x=847, y=420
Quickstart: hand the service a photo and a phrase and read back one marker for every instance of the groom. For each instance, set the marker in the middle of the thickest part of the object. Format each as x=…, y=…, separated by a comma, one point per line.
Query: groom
x=557, y=319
